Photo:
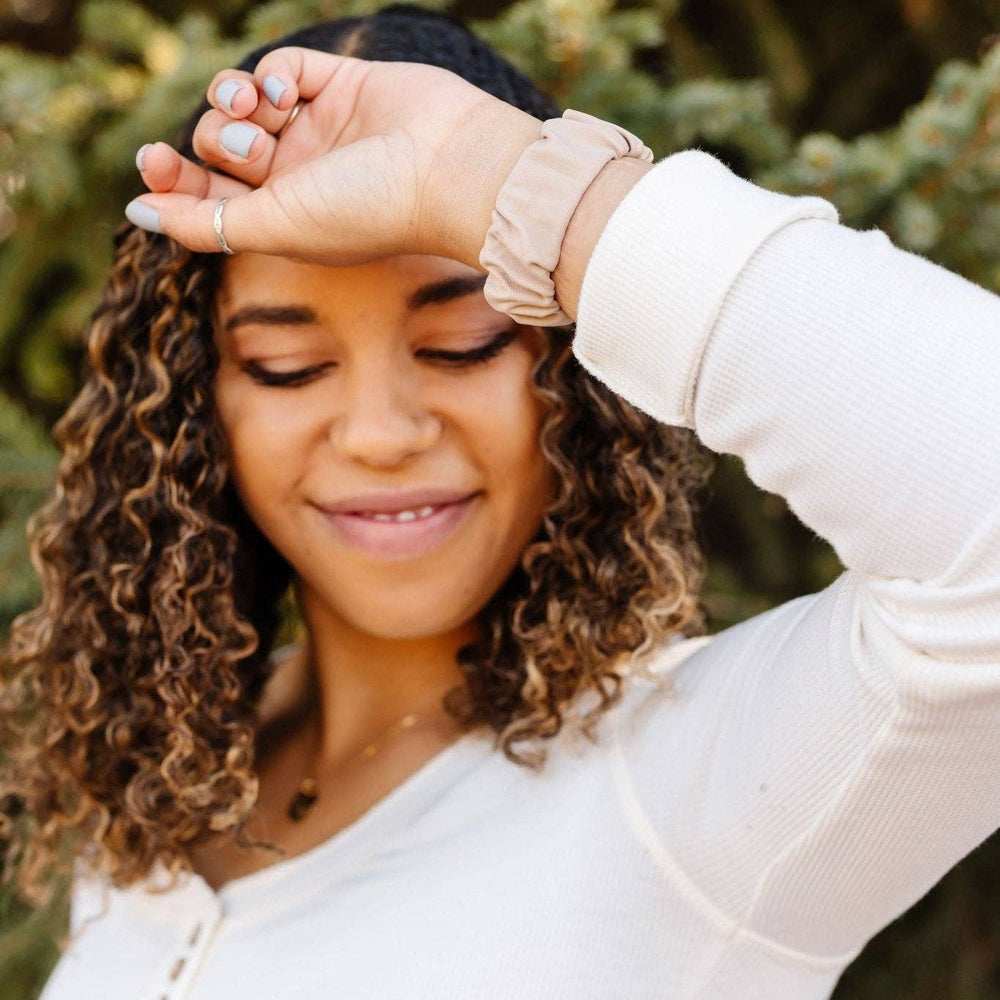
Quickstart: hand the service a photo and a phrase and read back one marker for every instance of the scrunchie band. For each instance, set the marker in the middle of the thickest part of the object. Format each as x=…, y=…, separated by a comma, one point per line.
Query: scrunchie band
x=534, y=208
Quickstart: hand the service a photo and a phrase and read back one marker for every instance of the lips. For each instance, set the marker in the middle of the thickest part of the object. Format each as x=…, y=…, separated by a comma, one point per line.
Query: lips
x=401, y=525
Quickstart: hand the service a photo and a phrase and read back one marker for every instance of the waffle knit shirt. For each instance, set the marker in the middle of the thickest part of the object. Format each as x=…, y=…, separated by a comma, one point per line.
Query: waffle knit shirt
x=787, y=787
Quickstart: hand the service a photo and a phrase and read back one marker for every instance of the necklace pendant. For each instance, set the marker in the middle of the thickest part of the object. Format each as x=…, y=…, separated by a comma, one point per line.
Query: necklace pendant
x=308, y=791
x=303, y=800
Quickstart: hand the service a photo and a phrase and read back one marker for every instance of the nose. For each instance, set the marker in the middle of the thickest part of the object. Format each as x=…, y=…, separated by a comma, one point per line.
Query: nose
x=383, y=420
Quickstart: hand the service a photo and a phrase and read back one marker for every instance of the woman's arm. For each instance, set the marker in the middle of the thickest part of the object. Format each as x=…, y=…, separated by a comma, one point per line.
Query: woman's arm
x=855, y=379
x=825, y=763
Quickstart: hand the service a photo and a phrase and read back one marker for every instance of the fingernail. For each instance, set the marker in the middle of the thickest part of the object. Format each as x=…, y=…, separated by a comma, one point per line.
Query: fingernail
x=140, y=154
x=144, y=216
x=238, y=137
x=274, y=88
x=225, y=93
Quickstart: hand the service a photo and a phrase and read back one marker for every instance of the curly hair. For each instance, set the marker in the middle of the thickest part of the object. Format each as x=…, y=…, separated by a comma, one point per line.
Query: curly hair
x=129, y=696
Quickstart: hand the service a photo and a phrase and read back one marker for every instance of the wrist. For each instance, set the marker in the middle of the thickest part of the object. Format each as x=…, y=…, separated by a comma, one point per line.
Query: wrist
x=591, y=215
x=536, y=204
x=480, y=160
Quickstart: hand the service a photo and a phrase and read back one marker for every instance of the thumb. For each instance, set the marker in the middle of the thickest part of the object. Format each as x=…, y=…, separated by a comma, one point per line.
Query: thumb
x=241, y=221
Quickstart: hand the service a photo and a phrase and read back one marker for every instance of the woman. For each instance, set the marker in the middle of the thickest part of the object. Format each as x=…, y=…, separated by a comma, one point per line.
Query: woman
x=324, y=388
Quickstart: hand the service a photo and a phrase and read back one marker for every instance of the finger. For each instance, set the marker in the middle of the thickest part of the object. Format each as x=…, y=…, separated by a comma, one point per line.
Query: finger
x=240, y=148
x=249, y=221
x=164, y=170
x=304, y=73
x=235, y=93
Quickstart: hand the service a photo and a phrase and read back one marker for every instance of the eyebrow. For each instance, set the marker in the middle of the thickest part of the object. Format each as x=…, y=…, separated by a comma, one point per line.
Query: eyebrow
x=437, y=293
x=444, y=291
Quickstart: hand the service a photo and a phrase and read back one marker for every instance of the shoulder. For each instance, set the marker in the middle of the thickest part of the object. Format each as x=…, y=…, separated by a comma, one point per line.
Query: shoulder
x=671, y=655
x=654, y=680
x=121, y=939
x=659, y=668
x=95, y=899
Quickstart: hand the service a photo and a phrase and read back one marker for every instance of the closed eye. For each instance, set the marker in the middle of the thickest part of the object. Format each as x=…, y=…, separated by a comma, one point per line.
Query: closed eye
x=260, y=374
x=456, y=359
x=477, y=355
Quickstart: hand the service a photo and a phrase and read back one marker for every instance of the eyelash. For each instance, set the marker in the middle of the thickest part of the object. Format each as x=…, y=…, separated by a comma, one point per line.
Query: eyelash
x=454, y=359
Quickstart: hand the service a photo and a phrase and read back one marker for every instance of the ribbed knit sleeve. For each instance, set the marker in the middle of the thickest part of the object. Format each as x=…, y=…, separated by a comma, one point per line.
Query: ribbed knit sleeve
x=823, y=764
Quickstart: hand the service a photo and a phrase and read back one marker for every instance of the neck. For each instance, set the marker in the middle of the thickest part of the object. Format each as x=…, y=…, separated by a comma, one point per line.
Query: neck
x=362, y=683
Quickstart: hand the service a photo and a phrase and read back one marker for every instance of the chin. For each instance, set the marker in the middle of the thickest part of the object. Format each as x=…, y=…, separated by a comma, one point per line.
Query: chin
x=393, y=615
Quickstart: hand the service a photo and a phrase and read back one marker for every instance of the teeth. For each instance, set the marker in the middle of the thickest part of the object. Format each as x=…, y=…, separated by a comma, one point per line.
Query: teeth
x=401, y=517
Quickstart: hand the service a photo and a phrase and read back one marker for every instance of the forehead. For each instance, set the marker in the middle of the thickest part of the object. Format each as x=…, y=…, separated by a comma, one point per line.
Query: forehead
x=405, y=282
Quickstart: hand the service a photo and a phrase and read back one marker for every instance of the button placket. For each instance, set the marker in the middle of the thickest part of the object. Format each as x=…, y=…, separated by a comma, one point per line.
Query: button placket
x=178, y=967
x=179, y=971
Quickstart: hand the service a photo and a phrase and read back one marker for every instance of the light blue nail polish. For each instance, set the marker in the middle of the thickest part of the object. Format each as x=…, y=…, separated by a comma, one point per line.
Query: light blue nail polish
x=274, y=88
x=225, y=93
x=237, y=137
x=140, y=154
x=144, y=216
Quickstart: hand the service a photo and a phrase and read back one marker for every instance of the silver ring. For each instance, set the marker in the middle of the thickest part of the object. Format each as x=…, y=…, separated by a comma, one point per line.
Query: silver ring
x=291, y=118
x=217, y=226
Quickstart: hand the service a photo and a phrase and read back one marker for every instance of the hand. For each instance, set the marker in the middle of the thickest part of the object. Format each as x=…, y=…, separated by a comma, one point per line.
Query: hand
x=383, y=158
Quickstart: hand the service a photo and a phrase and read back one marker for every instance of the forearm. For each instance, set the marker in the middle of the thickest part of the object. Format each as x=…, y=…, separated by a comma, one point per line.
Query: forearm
x=854, y=379
x=859, y=382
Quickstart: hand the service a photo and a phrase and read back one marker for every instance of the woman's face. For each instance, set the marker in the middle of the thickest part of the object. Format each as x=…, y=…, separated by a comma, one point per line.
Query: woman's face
x=383, y=433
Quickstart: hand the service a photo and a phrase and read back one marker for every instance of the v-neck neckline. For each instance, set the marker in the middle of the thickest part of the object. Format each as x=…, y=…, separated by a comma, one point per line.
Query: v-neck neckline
x=245, y=895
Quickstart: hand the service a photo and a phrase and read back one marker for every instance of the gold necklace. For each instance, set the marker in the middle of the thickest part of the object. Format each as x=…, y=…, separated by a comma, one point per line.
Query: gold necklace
x=307, y=793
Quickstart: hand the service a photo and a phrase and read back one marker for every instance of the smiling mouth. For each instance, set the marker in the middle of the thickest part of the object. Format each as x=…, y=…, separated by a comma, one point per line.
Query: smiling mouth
x=400, y=534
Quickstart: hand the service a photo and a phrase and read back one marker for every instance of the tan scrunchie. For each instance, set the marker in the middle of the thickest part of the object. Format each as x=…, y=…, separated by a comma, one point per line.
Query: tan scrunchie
x=534, y=208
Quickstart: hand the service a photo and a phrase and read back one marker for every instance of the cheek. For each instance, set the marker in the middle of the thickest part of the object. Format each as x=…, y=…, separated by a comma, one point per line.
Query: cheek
x=504, y=427
x=263, y=434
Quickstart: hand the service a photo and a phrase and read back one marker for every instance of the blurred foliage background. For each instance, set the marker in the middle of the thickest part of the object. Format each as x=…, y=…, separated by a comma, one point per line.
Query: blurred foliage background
x=890, y=108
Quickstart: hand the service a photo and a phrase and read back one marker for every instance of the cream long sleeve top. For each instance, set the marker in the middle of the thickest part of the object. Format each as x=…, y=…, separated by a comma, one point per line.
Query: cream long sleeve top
x=807, y=775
